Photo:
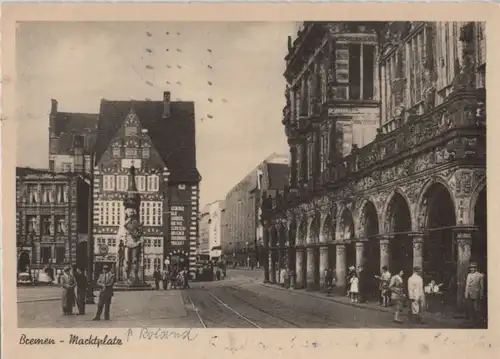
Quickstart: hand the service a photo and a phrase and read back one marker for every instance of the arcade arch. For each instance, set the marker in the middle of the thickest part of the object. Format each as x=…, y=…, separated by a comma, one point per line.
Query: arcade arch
x=370, y=231
x=23, y=262
x=346, y=234
x=398, y=226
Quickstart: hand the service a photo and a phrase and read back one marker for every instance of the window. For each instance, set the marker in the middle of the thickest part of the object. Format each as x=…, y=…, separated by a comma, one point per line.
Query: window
x=51, y=165
x=368, y=68
x=310, y=154
x=157, y=243
x=148, y=263
x=117, y=152
x=151, y=213
x=354, y=71
x=131, y=152
x=131, y=131
x=31, y=226
x=60, y=225
x=153, y=183
x=109, y=213
x=141, y=183
x=61, y=194
x=33, y=194
x=146, y=152
x=416, y=50
x=108, y=183
x=147, y=242
x=121, y=183
x=45, y=255
x=111, y=242
x=60, y=255
x=66, y=166
x=323, y=154
x=47, y=228
x=47, y=194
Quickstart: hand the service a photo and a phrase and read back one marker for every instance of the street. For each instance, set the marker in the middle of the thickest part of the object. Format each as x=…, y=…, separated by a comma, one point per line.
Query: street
x=240, y=301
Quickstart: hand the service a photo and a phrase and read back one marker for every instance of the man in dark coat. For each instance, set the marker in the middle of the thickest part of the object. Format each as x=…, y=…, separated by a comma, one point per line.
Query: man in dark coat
x=81, y=290
x=157, y=277
x=105, y=283
x=365, y=282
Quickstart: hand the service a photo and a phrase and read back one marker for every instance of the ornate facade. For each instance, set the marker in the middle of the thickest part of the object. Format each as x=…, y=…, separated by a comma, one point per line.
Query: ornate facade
x=416, y=194
x=51, y=219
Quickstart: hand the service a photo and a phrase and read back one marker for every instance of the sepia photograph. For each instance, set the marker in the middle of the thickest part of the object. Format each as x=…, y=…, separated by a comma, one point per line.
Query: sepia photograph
x=266, y=175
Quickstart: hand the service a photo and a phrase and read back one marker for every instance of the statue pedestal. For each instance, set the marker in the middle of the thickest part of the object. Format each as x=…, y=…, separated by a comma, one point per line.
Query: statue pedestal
x=125, y=286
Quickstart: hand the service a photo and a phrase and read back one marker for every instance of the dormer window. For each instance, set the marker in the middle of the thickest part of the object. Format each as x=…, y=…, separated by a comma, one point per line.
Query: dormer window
x=146, y=152
x=117, y=152
x=130, y=131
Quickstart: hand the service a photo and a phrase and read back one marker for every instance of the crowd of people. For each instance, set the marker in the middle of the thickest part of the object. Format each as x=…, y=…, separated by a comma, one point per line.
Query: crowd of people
x=394, y=290
x=172, y=277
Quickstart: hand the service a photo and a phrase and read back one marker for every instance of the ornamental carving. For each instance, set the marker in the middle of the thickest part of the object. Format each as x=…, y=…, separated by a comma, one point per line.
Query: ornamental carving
x=340, y=249
x=464, y=182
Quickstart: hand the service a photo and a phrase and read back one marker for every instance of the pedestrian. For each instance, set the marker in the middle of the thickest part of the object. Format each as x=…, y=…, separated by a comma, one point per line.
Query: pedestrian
x=416, y=294
x=474, y=292
x=352, y=270
x=164, y=278
x=364, y=284
x=105, y=282
x=185, y=274
x=157, y=277
x=397, y=294
x=81, y=290
x=68, y=291
x=173, y=278
x=354, y=288
x=218, y=273
x=384, y=292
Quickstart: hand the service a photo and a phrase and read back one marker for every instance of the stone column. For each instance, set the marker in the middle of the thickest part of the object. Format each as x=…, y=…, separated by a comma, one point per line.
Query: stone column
x=310, y=267
x=299, y=268
x=340, y=267
x=272, y=267
x=323, y=264
x=463, y=237
x=265, y=259
x=360, y=254
x=385, y=254
x=418, y=250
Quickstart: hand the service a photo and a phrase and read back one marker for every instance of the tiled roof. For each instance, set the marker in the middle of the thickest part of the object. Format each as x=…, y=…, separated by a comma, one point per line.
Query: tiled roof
x=67, y=124
x=173, y=137
x=278, y=175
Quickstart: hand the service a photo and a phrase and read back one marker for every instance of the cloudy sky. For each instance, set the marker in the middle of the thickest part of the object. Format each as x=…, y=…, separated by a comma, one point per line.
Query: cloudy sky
x=233, y=72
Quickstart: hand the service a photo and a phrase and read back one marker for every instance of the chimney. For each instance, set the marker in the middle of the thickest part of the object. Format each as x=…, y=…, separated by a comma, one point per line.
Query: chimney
x=166, y=104
x=78, y=145
x=53, y=108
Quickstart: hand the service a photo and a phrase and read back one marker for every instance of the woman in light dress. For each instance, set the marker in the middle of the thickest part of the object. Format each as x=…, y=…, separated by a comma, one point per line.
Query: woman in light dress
x=354, y=288
x=397, y=294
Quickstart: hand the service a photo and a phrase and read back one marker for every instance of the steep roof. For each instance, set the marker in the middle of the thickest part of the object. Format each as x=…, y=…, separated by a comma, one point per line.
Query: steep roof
x=173, y=137
x=278, y=175
x=73, y=122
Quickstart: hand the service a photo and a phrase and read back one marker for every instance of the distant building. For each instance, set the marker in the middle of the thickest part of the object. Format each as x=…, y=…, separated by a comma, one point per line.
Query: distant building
x=64, y=127
x=241, y=230
x=203, y=243
x=211, y=218
x=158, y=139
x=51, y=219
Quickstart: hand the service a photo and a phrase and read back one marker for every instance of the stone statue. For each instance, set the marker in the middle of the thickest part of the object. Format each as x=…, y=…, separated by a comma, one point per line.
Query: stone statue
x=132, y=231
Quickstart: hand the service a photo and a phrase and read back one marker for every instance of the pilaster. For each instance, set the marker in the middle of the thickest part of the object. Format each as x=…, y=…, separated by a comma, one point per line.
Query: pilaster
x=340, y=268
x=299, y=268
x=418, y=250
x=311, y=261
x=385, y=257
x=360, y=254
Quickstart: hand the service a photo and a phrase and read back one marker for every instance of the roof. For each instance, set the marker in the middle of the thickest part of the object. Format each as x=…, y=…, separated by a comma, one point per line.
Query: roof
x=173, y=137
x=23, y=171
x=68, y=124
x=278, y=175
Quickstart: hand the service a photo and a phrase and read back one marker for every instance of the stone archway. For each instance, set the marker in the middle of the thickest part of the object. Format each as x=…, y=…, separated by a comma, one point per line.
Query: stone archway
x=346, y=233
x=369, y=230
x=398, y=226
x=328, y=236
x=23, y=262
x=437, y=217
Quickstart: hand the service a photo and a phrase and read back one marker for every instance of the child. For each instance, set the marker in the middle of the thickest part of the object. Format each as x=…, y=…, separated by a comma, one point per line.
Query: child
x=354, y=288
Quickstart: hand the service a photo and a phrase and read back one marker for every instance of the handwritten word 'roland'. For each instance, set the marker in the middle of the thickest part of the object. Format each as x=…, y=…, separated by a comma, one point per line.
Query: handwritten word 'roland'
x=36, y=341
x=162, y=334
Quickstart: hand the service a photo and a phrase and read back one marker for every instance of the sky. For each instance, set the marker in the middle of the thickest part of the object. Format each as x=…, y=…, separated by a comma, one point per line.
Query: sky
x=232, y=71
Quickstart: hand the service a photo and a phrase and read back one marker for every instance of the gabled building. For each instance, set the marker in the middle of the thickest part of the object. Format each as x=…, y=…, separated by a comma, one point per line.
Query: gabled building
x=64, y=129
x=158, y=139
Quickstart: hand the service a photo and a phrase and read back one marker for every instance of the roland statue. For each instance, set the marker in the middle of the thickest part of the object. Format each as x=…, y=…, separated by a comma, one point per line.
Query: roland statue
x=131, y=232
